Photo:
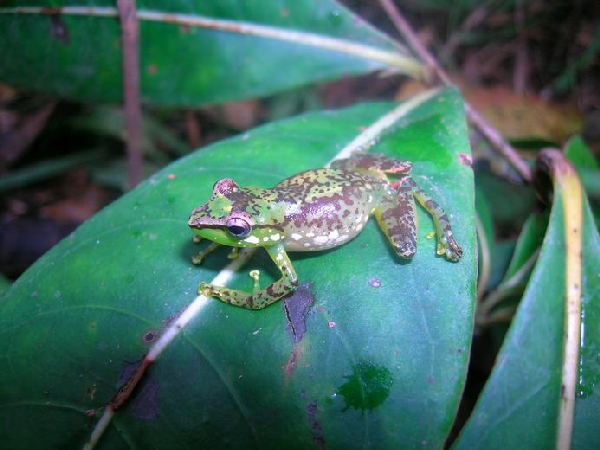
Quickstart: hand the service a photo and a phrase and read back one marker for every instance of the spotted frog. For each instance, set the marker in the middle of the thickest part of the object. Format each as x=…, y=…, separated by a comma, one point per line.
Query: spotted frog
x=315, y=210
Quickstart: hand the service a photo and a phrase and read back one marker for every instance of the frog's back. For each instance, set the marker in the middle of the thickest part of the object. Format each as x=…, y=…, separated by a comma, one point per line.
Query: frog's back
x=327, y=207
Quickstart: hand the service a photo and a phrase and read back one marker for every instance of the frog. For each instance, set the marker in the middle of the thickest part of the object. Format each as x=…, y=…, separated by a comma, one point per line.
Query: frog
x=315, y=210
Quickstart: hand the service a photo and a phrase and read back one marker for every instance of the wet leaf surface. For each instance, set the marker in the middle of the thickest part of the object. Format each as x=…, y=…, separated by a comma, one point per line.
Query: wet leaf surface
x=379, y=365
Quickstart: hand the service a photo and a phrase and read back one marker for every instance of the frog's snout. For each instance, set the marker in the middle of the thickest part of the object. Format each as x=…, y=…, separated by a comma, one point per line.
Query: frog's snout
x=194, y=220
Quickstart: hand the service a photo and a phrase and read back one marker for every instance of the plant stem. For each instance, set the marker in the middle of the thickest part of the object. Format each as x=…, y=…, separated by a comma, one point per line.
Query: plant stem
x=482, y=125
x=131, y=88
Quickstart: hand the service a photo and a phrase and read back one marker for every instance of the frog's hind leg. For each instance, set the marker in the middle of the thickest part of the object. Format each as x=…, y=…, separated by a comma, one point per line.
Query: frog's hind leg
x=373, y=162
x=397, y=218
x=446, y=244
x=259, y=298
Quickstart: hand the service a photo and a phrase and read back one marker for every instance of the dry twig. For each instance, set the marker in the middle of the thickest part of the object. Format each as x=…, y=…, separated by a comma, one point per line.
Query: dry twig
x=491, y=135
x=131, y=88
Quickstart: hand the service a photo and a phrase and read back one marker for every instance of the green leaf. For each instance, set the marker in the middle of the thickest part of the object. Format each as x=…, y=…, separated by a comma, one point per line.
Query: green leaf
x=381, y=364
x=77, y=53
x=580, y=154
x=587, y=167
x=520, y=403
x=512, y=203
x=49, y=168
x=528, y=242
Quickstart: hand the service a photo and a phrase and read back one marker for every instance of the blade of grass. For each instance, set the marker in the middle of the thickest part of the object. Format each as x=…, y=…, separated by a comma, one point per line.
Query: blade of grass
x=46, y=169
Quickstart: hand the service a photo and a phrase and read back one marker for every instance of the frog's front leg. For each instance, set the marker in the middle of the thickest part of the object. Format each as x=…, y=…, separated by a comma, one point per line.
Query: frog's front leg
x=446, y=244
x=263, y=297
x=202, y=253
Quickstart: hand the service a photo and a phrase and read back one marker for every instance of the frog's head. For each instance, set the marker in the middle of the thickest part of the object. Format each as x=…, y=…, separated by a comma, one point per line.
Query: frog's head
x=224, y=218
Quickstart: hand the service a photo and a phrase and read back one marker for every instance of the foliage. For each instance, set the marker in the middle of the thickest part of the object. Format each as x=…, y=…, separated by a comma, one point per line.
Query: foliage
x=370, y=351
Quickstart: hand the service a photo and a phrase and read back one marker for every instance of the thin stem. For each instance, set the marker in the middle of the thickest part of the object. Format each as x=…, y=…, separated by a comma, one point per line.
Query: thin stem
x=131, y=88
x=482, y=125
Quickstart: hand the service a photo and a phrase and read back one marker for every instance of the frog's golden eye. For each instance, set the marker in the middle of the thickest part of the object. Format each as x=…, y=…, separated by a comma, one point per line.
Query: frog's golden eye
x=238, y=227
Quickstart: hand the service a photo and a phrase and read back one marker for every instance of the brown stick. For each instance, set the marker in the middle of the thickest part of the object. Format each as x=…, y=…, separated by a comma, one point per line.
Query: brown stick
x=131, y=88
x=482, y=125
x=473, y=19
x=521, y=54
x=18, y=141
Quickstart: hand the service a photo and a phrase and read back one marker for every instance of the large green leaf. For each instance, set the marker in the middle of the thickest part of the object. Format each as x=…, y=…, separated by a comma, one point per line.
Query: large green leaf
x=79, y=56
x=519, y=407
x=383, y=358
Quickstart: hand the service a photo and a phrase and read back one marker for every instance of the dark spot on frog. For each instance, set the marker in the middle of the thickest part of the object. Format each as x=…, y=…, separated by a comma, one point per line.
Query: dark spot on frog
x=316, y=429
x=137, y=233
x=129, y=279
x=92, y=325
x=58, y=29
x=149, y=337
x=144, y=401
x=296, y=307
x=374, y=282
x=367, y=387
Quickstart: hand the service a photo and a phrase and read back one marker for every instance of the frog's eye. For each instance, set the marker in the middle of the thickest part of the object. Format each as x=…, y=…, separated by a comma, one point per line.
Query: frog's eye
x=238, y=227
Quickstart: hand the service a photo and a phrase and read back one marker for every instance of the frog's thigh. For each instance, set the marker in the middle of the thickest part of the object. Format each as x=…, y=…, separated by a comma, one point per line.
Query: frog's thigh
x=263, y=297
x=398, y=220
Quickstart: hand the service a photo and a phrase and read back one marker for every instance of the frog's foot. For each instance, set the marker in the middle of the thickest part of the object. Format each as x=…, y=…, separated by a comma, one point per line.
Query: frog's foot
x=197, y=239
x=257, y=300
x=200, y=256
x=260, y=298
x=447, y=245
x=234, y=253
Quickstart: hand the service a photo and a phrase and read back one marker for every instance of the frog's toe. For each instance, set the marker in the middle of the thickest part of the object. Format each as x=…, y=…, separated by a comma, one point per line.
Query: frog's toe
x=207, y=289
x=406, y=251
x=234, y=253
x=255, y=275
x=450, y=249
